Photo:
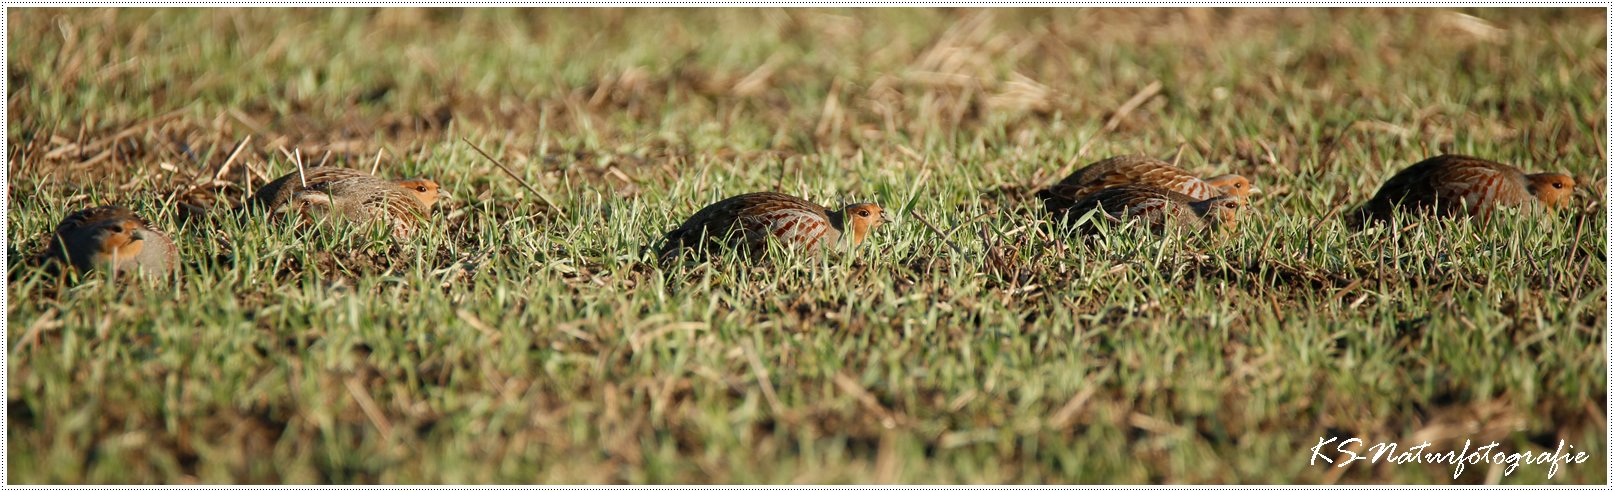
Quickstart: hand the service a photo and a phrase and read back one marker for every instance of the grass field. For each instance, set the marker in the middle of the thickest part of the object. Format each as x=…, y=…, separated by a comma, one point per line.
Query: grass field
x=517, y=342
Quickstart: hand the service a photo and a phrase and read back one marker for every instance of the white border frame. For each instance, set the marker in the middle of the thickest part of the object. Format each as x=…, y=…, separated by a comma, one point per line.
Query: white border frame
x=1608, y=227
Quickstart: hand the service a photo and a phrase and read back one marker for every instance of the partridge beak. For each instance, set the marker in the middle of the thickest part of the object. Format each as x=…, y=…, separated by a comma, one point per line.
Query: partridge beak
x=1255, y=190
x=136, y=236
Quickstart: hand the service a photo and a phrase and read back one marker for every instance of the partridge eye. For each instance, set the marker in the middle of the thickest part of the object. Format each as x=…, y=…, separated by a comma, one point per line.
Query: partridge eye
x=863, y=213
x=1558, y=185
x=116, y=229
x=421, y=188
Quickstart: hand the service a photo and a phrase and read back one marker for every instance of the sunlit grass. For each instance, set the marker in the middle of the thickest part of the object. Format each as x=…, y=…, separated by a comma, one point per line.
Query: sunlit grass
x=515, y=343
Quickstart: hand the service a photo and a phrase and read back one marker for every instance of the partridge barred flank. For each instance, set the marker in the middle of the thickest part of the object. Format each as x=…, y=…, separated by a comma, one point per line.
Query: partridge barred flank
x=1155, y=207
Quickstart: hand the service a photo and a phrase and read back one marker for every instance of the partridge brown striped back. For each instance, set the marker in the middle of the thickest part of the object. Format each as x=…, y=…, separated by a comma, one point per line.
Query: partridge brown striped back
x=115, y=238
x=1142, y=170
x=748, y=222
x=1456, y=185
x=1157, y=208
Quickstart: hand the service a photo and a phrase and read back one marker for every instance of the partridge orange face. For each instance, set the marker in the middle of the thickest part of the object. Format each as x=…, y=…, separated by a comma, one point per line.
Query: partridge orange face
x=117, y=241
x=422, y=188
x=1552, y=189
x=863, y=217
x=1233, y=185
x=1222, y=212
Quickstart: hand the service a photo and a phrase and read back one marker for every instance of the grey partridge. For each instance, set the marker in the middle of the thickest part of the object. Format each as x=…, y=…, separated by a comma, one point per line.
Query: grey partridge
x=1157, y=208
x=114, y=238
x=1457, y=185
x=352, y=195
x=748, y=222
x=1147, y=171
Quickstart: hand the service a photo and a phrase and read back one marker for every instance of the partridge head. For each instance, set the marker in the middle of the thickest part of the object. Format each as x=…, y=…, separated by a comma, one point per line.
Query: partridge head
x=864, y=217
x=1233, y=185
x=424, y=190
x=1220, y=212
x=1553, y=190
